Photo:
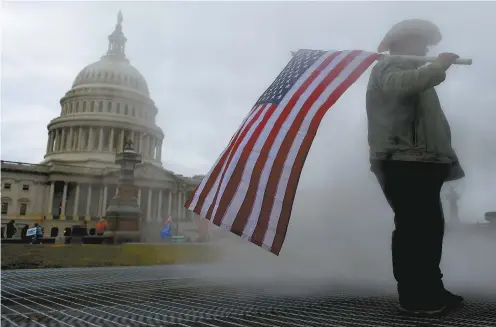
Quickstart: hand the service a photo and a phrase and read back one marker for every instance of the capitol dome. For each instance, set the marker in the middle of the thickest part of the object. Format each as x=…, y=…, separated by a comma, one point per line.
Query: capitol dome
x=108, y=104
x=113, y=68
x=113, y=72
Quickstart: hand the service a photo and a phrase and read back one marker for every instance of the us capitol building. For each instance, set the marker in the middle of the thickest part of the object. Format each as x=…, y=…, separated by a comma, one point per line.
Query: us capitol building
x=108, y=103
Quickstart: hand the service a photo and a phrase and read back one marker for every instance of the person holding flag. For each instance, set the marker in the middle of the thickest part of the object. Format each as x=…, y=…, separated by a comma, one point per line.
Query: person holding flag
x=165, y=232
x=412, y=156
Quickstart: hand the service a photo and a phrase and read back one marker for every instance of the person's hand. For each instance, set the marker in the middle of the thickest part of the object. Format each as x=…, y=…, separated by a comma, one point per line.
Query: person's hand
x=446, y=59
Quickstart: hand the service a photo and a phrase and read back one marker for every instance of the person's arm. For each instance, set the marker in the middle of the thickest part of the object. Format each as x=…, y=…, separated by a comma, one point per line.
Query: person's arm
x=395, y=78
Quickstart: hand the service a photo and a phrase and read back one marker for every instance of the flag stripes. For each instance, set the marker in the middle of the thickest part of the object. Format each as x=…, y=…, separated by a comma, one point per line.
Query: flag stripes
x=251, y=188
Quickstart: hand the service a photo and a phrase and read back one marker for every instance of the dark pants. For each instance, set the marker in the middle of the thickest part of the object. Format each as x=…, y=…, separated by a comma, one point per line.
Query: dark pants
x=413, y=192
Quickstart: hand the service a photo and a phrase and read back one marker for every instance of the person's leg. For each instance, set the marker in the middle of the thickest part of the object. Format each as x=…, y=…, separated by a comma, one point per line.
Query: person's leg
x=412, y=189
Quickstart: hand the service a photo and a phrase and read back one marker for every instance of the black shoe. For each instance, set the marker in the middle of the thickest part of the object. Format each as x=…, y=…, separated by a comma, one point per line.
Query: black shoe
x=445, y=302
x=423, y=310
x=451, y=300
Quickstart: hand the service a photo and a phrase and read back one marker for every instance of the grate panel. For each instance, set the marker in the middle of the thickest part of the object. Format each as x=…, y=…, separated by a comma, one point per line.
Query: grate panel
x=173, y=296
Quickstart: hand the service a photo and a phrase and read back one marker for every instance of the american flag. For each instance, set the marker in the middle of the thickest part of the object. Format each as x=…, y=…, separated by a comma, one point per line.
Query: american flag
x=251, y=188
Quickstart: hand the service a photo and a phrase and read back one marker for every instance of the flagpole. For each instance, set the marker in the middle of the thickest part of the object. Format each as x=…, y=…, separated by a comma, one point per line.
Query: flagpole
x=459, y=61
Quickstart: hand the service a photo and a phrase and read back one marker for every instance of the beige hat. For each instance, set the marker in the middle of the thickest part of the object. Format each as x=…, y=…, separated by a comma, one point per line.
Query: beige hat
x=409, y=27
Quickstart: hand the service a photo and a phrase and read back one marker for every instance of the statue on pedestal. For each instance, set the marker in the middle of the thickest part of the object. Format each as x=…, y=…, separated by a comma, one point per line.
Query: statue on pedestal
x=124, y=214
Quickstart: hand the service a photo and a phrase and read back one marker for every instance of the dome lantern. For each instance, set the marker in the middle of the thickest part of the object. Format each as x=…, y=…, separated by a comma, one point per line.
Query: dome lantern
x=117, y=41
x=113, y=68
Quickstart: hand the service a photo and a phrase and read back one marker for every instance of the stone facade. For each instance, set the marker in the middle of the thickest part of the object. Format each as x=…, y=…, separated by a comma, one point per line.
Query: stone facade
x=107, y=104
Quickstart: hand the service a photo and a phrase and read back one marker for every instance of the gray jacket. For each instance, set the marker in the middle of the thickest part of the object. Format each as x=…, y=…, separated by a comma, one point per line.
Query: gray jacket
x=405, y=119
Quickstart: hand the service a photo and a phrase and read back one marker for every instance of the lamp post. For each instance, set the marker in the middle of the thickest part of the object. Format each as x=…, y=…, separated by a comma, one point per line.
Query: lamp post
x=124, y=213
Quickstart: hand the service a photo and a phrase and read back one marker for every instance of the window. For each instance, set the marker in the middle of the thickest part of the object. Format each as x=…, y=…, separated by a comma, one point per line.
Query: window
x=109, y=106
x=25, y=187
x=118, y=108
x=100, y=106
x=23, y=209
x=5, y=208
x=7, y=186
x=92, y=106
x=126, y=110
x=84, y=106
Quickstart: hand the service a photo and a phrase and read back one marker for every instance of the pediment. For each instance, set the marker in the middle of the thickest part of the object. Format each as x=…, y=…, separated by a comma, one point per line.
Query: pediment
x=151, y=172
x=147, y=171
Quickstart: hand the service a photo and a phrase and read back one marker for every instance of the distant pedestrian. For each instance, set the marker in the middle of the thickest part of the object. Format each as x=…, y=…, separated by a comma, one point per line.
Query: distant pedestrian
x=24, y=231
x=11, y=229
x=38, y=236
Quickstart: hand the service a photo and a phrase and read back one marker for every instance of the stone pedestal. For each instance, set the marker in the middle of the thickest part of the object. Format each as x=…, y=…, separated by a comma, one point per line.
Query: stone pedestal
x=123, y=219
x=124, y=214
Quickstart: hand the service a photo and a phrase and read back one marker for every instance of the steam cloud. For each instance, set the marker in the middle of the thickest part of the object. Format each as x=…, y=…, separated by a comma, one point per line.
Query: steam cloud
x=340, y=230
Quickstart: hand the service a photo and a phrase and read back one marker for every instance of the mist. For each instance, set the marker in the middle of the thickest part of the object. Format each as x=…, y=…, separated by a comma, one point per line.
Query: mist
x=206, y=64
x=340, y=229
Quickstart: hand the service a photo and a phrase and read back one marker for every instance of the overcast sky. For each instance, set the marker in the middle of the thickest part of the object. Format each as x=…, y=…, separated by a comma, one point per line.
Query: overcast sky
x=207, y=63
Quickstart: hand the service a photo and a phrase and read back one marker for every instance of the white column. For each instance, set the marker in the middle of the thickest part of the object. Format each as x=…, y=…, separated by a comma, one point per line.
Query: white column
x=150, y=146
x=64, y=200
x=149, y=207
x=48, y=149
x=104, y=202
x=100, y=201
x=80, y=139
x=121, y=143
x=34, y=208
x=139, y=197
x=111, y=140
x=159, y=151
x=50, y=142
x=179, y=211
x=62, y=140
x=141, y=143
x=57, y=140
x=69, y=139
x=50, y=199
x=131, y=136
x=100, y=140
x=143, y=151
x=88, y=201
x=89, y=146
x=159, y=210
x=76, y=201
x=147, y=145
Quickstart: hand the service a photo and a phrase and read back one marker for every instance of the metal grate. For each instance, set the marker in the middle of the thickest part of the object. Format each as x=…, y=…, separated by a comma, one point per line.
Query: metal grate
x=172, y=296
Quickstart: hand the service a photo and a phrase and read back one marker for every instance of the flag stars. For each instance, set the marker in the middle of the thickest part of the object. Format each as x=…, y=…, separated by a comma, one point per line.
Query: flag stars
x=300, y=62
